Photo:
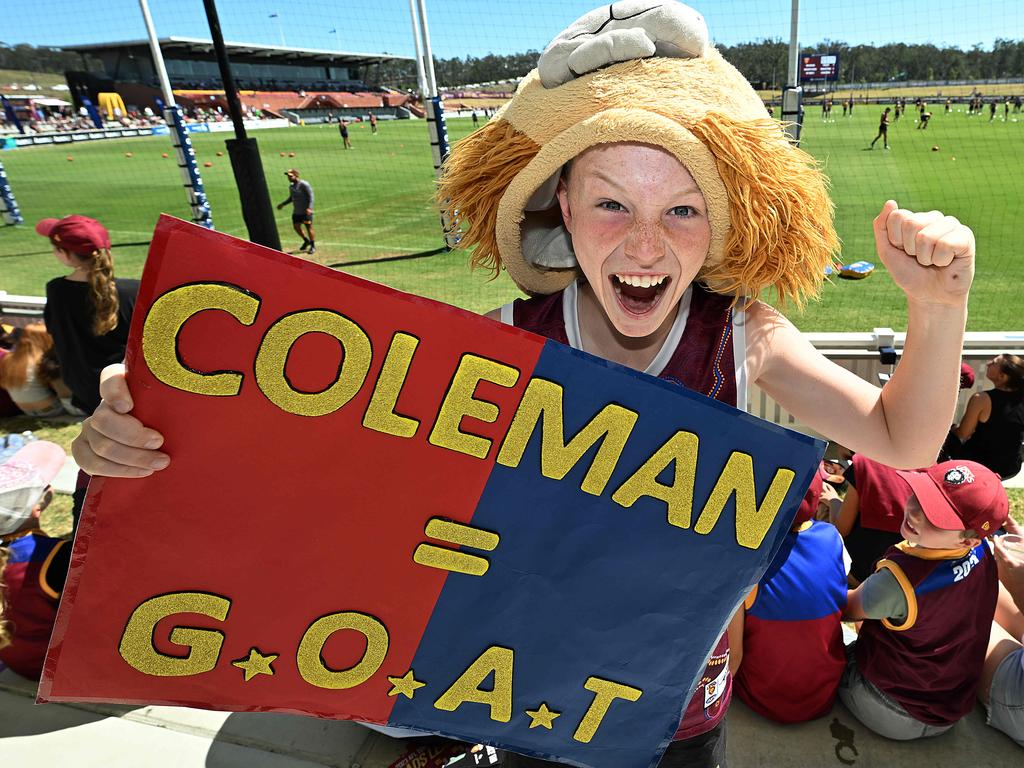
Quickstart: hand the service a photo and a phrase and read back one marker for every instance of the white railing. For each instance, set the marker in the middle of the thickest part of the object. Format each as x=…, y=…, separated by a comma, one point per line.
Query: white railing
x=857, y=352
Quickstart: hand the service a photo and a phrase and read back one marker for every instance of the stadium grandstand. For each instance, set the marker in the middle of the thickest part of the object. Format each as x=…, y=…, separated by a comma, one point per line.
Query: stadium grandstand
x=299, y=84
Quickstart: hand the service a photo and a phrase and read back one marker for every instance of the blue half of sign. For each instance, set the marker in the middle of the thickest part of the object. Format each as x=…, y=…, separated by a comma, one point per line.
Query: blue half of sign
x=587, y=596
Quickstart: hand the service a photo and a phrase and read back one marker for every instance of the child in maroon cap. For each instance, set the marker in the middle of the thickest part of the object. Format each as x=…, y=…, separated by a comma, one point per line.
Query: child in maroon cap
x=87, y=312
x=915, y=667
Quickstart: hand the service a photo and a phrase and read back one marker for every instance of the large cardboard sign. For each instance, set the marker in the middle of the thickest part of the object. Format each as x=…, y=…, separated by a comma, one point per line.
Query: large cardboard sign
x=385, y=509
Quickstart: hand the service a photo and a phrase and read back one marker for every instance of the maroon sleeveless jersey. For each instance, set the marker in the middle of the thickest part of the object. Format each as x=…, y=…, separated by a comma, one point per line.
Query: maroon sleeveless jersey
x=703, y=362
x=930, y=664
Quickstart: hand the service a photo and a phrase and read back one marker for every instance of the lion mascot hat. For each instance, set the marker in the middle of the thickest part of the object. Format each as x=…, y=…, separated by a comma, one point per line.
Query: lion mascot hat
x=642, y=72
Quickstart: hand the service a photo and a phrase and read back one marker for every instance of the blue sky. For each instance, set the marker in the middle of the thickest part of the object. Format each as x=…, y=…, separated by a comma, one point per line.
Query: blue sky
x=477, y=27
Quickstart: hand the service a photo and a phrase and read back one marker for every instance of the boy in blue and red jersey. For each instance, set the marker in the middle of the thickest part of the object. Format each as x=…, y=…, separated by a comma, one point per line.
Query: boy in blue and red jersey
x=794, y=613
x=915, y=668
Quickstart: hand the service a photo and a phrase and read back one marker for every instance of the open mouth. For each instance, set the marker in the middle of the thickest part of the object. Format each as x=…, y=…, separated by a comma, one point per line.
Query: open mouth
x=639, y=294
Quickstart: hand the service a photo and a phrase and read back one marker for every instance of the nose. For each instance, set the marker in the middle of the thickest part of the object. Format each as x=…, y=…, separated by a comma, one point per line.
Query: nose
x=645, y=244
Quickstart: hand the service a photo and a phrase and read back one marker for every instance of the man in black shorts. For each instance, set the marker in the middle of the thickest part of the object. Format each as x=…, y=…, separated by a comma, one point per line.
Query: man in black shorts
x=883, y=130
x=300, y=195
x=343, y=129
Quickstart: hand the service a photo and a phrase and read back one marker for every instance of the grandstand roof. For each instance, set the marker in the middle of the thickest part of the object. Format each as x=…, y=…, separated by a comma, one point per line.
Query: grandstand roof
x=243, y=52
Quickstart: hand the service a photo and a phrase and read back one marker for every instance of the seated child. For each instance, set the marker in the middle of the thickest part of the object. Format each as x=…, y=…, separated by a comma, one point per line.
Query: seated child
x=871, y=514
x=915, y=668
x=793, y=614
x=32, y=566
x=22, y=376
x=1002, y=680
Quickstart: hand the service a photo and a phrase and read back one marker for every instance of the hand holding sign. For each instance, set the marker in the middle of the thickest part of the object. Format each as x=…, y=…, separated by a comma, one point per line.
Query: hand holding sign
x=113, y=443
x=941, y=250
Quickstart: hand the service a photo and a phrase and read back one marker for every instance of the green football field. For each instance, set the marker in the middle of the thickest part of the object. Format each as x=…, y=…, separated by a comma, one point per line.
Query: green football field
x=373, y=205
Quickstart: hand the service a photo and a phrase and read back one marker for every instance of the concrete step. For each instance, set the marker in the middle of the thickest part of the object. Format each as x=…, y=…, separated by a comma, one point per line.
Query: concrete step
x=110, y=736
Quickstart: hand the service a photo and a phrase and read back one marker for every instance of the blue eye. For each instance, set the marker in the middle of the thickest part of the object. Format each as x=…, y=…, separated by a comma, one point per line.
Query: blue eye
x=684, y=211
x=610, y=205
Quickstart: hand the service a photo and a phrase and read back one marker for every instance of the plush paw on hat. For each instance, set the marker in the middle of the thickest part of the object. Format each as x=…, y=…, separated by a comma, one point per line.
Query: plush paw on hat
x=642, y=73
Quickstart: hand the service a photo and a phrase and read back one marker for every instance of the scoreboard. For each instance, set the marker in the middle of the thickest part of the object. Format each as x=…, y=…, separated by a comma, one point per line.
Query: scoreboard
x=819, y=66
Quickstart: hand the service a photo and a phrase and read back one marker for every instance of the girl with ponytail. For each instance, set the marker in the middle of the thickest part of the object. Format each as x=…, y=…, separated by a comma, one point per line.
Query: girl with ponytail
x=991, y=431
x=88, y=312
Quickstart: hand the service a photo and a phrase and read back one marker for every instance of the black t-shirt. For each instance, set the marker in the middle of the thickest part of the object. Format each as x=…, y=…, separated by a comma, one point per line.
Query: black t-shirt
x=68, y=316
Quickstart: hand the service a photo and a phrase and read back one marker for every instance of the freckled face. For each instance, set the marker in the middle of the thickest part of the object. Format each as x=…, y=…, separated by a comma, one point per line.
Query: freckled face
x=640, y=230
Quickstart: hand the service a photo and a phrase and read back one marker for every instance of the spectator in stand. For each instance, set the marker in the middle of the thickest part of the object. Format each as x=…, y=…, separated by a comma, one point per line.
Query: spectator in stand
x=21, y=375
x=917, y=664
x=88, y=312
x=794, y=613
x=991, y=430
x=871, y=514
x=33, y=567
x=1002, y=680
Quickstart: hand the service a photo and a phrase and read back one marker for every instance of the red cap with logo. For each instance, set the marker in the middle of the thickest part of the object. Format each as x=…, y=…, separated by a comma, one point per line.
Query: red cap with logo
x=78, y=234
x=960, y=495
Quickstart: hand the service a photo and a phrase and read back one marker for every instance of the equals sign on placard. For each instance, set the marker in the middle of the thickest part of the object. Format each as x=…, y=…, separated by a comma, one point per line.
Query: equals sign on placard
x=449, y=559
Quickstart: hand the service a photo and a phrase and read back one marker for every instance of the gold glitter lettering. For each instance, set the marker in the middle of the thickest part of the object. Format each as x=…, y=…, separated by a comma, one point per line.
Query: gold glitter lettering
x=606, y=692
x=459, y=403
x=165, y=320
x=752, y=521
x=277, y=344
x=542, y=402
x=309, y=658
x=380, y=413
x=204, y=644
x=467, y=687
x=681, y=449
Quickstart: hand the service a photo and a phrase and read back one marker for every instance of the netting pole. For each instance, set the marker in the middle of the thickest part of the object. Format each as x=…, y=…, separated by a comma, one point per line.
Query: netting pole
x=436, y=126
x=175, y=119
x=257, y=210
x=792, y=94
x=421, y=78
x=10, y=212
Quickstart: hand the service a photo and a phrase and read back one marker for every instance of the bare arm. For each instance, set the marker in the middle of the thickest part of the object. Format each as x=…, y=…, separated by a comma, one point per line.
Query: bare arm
x=931, y=257
x=735, y=632
x=849, y=512
x=978, y=409
x=854, y=610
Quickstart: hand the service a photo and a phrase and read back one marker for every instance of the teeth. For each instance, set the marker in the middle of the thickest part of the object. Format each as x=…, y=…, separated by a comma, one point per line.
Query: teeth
x=641, y=281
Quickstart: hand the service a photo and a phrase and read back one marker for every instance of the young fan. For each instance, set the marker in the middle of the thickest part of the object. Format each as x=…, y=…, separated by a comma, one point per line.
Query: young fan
x=88, y=312
x=637, y=190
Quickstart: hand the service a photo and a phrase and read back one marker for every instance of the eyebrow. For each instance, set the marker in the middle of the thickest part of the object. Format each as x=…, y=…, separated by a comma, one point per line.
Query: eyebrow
x=608, y=180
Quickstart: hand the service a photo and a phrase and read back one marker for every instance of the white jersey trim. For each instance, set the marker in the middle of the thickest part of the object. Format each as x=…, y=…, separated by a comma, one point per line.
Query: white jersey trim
x=739, y=354
x=507, y=314
x=571, y=318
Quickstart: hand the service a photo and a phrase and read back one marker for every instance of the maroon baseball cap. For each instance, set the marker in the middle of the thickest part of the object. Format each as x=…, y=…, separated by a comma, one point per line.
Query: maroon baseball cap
x=78, y=234
x=809, y=505
x=960, y=495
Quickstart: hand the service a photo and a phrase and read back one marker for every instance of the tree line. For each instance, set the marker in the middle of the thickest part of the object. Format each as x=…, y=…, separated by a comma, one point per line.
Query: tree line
x=764, y=63
x=32, y=58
